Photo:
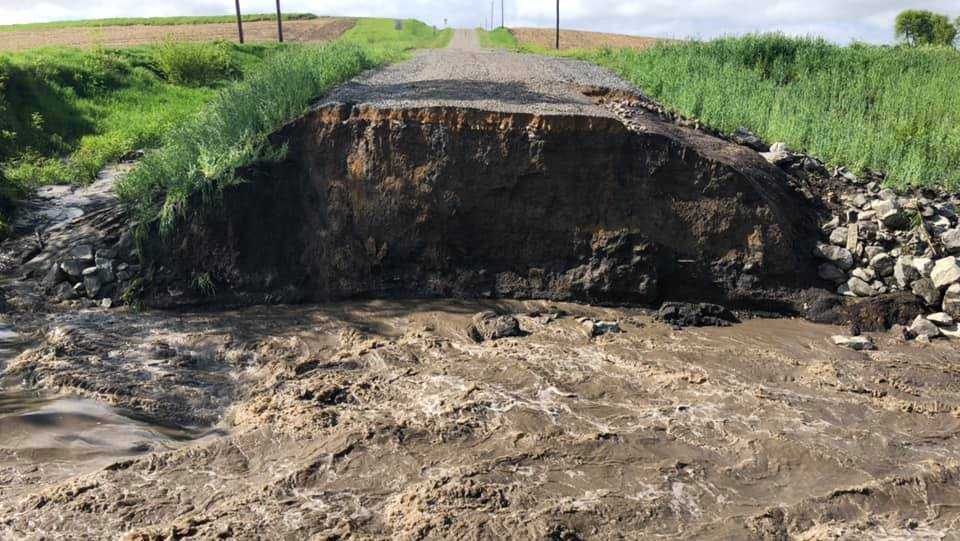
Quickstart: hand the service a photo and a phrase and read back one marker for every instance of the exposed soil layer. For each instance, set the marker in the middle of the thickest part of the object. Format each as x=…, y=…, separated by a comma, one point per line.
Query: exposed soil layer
x=381, y=419
x=449, y=201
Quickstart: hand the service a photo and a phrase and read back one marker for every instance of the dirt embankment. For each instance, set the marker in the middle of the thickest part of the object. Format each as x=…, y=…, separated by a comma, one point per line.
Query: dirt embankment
x=306, y=31
x=445, y=201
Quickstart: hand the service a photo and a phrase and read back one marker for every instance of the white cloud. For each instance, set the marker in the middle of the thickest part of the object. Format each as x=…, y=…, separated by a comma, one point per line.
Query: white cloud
x=838, y=20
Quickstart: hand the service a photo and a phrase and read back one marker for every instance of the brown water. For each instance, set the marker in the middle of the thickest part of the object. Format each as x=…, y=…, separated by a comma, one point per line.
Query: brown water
x=383, y=419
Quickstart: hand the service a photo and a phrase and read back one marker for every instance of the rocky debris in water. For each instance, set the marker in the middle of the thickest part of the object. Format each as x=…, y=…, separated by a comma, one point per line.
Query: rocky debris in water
x=490, y=326
x=94, y=270
x=877, y=240
x=857, y=343
x=873, y=314
x=599, y=328
x=924, y=329
x=682, y=314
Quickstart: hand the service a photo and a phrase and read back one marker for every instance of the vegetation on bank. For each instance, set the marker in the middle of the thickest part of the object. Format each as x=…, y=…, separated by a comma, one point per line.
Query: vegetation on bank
x=893, y=109
x=202, y=154
x=154, y=21
x=65, y=113
x=501, y=38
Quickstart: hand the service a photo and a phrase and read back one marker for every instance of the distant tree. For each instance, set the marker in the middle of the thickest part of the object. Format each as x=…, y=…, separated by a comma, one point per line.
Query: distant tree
x=918, y=27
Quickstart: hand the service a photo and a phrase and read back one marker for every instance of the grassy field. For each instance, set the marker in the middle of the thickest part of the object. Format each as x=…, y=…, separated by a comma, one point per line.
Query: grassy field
x=66, y=112
x=893, y=109
x=201, y=154
x=153, y=21
x=501, y=38
x=382, y=33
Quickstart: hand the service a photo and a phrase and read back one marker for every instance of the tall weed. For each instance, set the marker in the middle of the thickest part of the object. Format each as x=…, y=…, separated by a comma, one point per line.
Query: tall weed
x=894, y=109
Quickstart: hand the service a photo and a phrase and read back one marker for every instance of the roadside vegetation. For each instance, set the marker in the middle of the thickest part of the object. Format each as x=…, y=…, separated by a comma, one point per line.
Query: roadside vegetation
x=154, y=21
x=65, y=113
x=501, y=38
x=200, y=155
x=892, y=109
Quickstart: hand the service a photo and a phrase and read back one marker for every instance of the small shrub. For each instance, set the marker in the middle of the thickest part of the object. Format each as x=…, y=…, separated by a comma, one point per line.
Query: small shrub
x=196, y=64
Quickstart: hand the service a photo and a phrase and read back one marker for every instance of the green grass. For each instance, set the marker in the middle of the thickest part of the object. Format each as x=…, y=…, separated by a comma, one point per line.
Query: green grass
x=200, y=156
x=501, y=38
x=153, y=21
x=380, y=33
x=893, y=109
x=65, y=113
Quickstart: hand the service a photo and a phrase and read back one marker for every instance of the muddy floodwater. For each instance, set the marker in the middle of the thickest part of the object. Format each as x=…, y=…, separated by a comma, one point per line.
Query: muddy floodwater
x=385, y=419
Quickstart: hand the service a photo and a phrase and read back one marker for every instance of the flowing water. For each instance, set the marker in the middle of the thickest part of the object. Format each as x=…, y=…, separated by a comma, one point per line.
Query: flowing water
x=384, y=419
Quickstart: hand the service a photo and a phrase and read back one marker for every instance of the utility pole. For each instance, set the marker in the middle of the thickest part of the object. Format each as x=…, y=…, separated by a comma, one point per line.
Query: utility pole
x=279, y=23
x=492, y=19
x=558, y=25
x=239, y=22
x=502, y=16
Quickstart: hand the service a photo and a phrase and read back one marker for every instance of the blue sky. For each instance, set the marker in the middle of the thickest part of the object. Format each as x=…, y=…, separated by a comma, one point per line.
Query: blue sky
x=838, y=20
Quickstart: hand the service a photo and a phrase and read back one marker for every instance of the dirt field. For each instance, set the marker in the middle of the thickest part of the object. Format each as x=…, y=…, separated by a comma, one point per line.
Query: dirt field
x=314, y=30
x=575, y=39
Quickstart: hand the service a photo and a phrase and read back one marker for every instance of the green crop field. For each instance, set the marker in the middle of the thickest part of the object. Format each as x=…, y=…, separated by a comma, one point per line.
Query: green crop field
x=501, y=38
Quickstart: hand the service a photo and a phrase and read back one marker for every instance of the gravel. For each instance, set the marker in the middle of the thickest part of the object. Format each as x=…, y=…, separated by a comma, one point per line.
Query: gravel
x=463, y=75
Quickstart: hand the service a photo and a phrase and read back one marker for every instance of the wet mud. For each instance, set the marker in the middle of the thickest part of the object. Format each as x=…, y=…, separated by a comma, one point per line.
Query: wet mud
x=386, y=419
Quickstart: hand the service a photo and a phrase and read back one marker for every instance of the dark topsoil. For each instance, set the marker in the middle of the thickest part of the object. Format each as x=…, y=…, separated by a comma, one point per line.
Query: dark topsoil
x=454, y=202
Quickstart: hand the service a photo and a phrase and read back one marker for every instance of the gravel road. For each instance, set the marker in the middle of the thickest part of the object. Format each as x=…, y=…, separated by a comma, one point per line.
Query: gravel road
x=464, y=75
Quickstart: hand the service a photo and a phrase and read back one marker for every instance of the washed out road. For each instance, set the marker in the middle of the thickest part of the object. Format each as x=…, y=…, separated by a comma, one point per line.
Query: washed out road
x=386, y=419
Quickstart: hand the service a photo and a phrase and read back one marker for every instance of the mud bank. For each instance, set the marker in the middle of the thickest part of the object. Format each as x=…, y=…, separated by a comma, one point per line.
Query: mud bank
x=456, y=202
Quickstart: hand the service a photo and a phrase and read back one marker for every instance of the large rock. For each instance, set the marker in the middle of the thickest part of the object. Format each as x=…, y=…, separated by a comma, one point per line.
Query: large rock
x=840, y=257
x=73, y=268
x=945, y=272
x=923, y=327
x=877, y=313
x=904, y=271
x=857, y=343
x=830, y=272
x=490, y=326
x=746, y=138
x=683, y=314
x=951, y=301
x=883, y=264
x=925, y=289
x=951, y=241
x=838, y=237
x=860, y=288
